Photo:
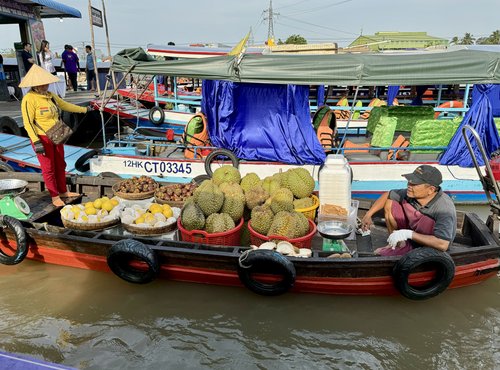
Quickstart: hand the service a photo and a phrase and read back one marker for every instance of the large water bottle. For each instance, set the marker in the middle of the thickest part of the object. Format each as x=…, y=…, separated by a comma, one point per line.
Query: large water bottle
x=335, y=182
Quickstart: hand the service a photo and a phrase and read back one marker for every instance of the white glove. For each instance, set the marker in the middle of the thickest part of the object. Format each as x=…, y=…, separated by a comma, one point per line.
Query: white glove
x=399, y=236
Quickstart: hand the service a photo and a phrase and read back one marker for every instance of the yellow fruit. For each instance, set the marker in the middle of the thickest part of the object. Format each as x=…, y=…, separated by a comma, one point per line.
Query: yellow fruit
x=107, y=205
x=97, y=203
x=75, y=209
x=166, y=207
x=168, y=213
x=114, y=202
x=155, y=208
x=88, y=204
x=85, y=218
x=104, y=199
x=90, y=211
x=139, y=220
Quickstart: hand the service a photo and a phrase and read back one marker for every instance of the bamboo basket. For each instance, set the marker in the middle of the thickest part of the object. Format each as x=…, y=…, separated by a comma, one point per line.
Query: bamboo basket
x=90, y=226
x=150, y=230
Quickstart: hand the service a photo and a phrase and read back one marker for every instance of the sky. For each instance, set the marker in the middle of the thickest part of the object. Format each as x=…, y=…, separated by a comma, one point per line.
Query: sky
x=135, y=23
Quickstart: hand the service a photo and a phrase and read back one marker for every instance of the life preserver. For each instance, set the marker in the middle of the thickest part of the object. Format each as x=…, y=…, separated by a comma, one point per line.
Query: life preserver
x=267, y=262
x=82, y=164
x=223, y=153
x=449, y=104
x=405, y=265
x=21, y=240
x=327, y=127
x=195, y=136
x=342, y=114
x=157, y=115
x=120, y=255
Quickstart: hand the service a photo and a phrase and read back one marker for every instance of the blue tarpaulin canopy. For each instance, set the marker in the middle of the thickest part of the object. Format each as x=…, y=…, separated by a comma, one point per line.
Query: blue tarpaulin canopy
x=54, y=9
x=479, y=117
x=262, y=122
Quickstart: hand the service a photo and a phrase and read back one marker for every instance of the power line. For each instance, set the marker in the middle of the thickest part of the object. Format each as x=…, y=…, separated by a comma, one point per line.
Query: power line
x=319, y=8
x=316, y=25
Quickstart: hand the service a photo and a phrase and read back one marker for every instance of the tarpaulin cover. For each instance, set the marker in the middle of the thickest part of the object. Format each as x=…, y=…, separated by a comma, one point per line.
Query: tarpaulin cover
x=409, y=68
x=392, y=91
x=261, y=122
x=480, y=118
x=494, y=96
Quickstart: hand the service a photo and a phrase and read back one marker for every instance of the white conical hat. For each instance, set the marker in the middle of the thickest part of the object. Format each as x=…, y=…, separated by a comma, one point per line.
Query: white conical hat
x=37, y=76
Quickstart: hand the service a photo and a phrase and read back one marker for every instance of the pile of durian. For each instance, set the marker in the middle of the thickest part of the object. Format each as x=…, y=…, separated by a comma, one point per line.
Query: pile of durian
x=151, y=215
x=217, y=205
x=97, y=211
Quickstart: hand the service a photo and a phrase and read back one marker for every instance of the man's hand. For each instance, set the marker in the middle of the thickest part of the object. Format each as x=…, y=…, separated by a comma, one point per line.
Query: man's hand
x=366, y=222
x=399, y=236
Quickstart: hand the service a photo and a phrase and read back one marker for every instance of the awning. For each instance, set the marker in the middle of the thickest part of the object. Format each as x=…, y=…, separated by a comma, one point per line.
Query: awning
x=53, y=9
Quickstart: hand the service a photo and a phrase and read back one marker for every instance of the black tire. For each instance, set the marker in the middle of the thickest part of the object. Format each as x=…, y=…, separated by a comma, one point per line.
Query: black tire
x=445, y=271
x=82, y=164
x=123, y=252
x=71, y=119
x=4, y=167
x=153, y=115
x=9, y=126
x=222, y=153
x=270, y=262
x=200, y=178
x=21, y=239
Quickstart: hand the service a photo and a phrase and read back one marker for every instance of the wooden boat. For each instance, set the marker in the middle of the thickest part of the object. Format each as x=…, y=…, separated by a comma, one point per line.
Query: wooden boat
x=423, y=273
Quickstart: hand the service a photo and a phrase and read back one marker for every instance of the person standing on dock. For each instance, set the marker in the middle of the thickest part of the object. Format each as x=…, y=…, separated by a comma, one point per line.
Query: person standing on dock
x=90, y=69
x=71, y=65
x=40, y=110
x=45, y=57
x=28, y=59
x=420, y=215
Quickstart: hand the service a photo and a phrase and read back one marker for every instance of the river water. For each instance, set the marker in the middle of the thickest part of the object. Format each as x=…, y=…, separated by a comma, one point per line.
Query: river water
x=94, y=320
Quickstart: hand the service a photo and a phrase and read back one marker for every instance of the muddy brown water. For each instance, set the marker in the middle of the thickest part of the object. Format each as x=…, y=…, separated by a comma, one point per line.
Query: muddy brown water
x=93, y=320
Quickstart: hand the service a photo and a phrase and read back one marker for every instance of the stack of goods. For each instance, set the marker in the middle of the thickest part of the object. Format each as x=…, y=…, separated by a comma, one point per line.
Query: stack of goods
x=174, y=194
x=94, y=215
x=135, y=188
x=151, y=219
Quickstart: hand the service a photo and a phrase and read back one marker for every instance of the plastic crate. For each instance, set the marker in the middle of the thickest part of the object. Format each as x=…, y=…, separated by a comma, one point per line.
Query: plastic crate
x=227, y=238
x=310, y=212
x=302, y=242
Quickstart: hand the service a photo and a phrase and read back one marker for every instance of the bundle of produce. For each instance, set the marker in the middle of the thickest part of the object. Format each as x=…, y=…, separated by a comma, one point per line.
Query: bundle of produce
x=151, y=219
x=93, y=215
x=135, y=188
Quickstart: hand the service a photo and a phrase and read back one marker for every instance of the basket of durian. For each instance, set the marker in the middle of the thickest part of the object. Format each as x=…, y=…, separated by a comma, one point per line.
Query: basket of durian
x=98, y=214
x=152, y=219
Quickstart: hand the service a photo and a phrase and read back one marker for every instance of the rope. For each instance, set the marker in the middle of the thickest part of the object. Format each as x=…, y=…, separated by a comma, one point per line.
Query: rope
x=243, y=258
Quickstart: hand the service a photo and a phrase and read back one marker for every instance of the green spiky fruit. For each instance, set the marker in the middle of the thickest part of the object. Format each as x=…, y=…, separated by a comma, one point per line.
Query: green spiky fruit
x=249, y=181
x=219, y=223
x=299, y=181
x=209, y=197
x=262, y=217
x=192, y=217
x=256, y=196
x=226, y=173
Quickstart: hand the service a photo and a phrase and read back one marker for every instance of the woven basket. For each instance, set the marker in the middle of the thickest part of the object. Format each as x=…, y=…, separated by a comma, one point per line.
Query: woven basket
x=149, y=230
x=310, y=212
x=133, y=196
x=171, y=203
x=90, y=226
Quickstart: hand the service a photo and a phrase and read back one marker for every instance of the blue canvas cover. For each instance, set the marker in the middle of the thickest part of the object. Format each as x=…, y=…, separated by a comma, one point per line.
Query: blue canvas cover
x=479, y=117
x=261, y=122
x=392, y=92
x=494, y=96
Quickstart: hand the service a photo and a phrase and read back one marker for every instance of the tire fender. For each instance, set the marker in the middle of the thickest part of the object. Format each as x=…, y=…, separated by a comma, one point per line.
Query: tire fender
x=82, y=164
x=153, y=115
x=223, y=153
x=9, y=126
x=21, y=240
x=5, y=167
x=445, y=271
x=123, y=252
x=266, y=261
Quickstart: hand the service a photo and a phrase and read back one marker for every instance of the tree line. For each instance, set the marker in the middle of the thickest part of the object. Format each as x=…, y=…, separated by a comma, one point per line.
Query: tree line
x=469, y=39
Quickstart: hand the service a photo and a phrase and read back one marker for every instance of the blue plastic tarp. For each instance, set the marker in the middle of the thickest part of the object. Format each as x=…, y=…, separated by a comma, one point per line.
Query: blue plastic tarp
x=494, y=96
x=261, y=122
x=479, y=117
x=392, y=91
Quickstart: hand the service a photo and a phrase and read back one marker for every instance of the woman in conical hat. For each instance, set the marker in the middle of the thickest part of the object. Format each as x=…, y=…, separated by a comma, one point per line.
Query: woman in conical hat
x=40, y=109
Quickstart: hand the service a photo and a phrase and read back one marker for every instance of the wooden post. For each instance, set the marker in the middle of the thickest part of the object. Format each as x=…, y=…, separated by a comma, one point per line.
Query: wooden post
x=93, y=47
x=107, y=40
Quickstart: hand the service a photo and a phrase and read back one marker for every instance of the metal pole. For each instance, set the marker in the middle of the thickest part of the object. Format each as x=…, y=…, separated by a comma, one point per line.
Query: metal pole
x=107, y=39
x=93, y=47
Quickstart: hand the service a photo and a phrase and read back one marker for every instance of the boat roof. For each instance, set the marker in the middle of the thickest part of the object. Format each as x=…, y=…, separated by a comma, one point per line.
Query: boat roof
x=174, y=51
x=452, y=66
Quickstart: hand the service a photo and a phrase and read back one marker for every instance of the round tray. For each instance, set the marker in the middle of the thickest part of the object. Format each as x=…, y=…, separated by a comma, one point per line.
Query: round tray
x=334, y=229
x=171, y=203
x=150, y=230
x=133, y=196
x=90, y=227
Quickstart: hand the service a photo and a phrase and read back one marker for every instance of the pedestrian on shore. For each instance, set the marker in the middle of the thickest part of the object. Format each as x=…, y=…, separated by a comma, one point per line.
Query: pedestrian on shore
x=28, y=59
x=71, y=65
x=420, y=215
x=40, y=110
x=45, y=56
x=90, y=69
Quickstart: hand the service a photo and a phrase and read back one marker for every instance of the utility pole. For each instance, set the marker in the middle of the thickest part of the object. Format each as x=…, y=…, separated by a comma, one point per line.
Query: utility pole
x=270, y=18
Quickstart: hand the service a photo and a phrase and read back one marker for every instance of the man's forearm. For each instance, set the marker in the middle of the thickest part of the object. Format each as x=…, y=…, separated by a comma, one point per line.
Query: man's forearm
x=431, y=241
x=378, y=205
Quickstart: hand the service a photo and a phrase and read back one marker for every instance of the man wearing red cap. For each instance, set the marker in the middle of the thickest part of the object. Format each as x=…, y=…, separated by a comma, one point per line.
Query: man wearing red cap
x=420, y=215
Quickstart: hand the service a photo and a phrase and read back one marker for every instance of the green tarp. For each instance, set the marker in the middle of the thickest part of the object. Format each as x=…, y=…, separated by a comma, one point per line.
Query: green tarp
x=422, y=68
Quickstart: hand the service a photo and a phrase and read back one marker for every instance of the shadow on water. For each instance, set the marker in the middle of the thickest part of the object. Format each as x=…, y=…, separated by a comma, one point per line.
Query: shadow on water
x=94, y=320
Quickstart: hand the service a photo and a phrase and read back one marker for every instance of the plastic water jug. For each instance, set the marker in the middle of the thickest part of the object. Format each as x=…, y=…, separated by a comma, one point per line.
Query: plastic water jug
x=335, y=182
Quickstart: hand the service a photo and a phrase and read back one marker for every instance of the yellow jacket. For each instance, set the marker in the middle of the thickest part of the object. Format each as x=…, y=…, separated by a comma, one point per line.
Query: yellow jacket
x=40, y=108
